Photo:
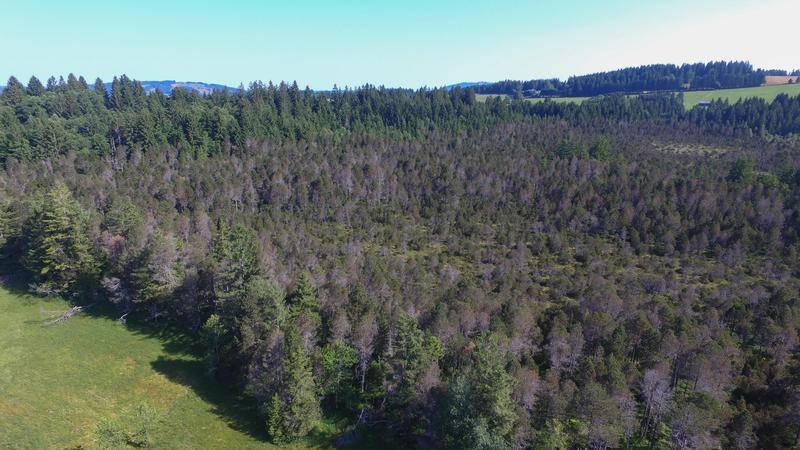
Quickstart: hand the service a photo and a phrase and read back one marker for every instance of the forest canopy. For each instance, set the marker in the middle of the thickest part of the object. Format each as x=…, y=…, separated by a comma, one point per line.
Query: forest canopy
x=38, y=122
x=451, y=273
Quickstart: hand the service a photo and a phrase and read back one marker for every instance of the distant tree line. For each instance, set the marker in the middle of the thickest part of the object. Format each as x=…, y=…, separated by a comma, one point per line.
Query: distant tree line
x=38, y=121
x=654, y=77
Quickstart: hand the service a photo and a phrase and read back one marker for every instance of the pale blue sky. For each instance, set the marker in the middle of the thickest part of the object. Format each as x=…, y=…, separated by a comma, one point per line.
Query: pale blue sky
x=410, y=43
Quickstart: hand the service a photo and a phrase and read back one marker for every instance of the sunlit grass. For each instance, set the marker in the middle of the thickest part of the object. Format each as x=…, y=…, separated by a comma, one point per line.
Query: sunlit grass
x=57, y=383
x=768, y=93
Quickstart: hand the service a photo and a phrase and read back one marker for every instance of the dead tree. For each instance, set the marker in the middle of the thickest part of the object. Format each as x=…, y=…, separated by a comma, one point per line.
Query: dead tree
x=67, y=314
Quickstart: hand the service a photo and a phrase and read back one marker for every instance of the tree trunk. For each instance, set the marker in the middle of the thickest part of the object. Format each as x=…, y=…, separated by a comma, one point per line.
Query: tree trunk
x=67, y=314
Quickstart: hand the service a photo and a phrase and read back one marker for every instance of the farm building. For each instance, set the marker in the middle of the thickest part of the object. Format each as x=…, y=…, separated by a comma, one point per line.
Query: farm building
x=771, y=80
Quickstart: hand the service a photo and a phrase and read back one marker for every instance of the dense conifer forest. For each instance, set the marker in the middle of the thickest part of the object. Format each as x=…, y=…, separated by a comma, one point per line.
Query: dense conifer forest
x=439, y=271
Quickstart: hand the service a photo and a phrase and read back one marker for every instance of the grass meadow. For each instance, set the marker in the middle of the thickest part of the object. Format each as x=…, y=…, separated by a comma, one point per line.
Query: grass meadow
x=58, y=383
x=768, y=93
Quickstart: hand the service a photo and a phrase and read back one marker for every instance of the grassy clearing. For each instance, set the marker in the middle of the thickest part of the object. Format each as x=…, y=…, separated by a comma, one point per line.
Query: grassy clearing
x=57, y=383
x=768, y=93
x=484, y=97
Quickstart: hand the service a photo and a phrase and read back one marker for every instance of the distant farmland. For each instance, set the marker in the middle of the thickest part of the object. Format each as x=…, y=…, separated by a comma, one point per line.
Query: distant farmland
x=692, y=98
x=768, y=93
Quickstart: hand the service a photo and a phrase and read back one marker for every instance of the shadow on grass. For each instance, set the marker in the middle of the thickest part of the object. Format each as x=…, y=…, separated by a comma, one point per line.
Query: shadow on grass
x=174, y=339
x=238, y=411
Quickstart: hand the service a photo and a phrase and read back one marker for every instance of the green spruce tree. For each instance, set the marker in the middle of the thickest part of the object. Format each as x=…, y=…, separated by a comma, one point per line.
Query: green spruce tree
x=480, y=411
x=338, y=360
x=298, y=391
x=59, y=252
x=236, y=257
x=14, y=92
x=35, y=87
x=416, y=354
x=158, y=273
x=275, y=420
x=72, y=82
x=304, y=309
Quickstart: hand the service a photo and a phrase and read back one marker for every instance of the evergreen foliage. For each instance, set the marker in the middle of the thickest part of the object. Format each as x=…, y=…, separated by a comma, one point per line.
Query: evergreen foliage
x=423, y=267
x=59, y=252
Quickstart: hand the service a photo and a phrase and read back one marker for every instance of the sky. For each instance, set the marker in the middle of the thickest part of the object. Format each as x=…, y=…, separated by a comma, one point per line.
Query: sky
x=410, y=43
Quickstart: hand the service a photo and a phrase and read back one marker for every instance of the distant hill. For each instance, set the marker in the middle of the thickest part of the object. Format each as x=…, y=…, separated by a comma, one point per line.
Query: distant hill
x=467, y=84
x=166, y=86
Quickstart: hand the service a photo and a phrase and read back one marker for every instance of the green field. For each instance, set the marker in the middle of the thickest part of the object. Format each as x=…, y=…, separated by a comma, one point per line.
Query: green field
x=692, y=98
x=768, y=93
x=57, y=383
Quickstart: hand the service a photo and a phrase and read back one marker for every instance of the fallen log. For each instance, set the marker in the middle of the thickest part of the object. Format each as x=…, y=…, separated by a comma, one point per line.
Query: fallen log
x=67, y=314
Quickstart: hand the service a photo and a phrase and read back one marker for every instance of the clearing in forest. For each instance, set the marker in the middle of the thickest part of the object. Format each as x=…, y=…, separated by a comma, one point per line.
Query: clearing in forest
x=57, y=383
